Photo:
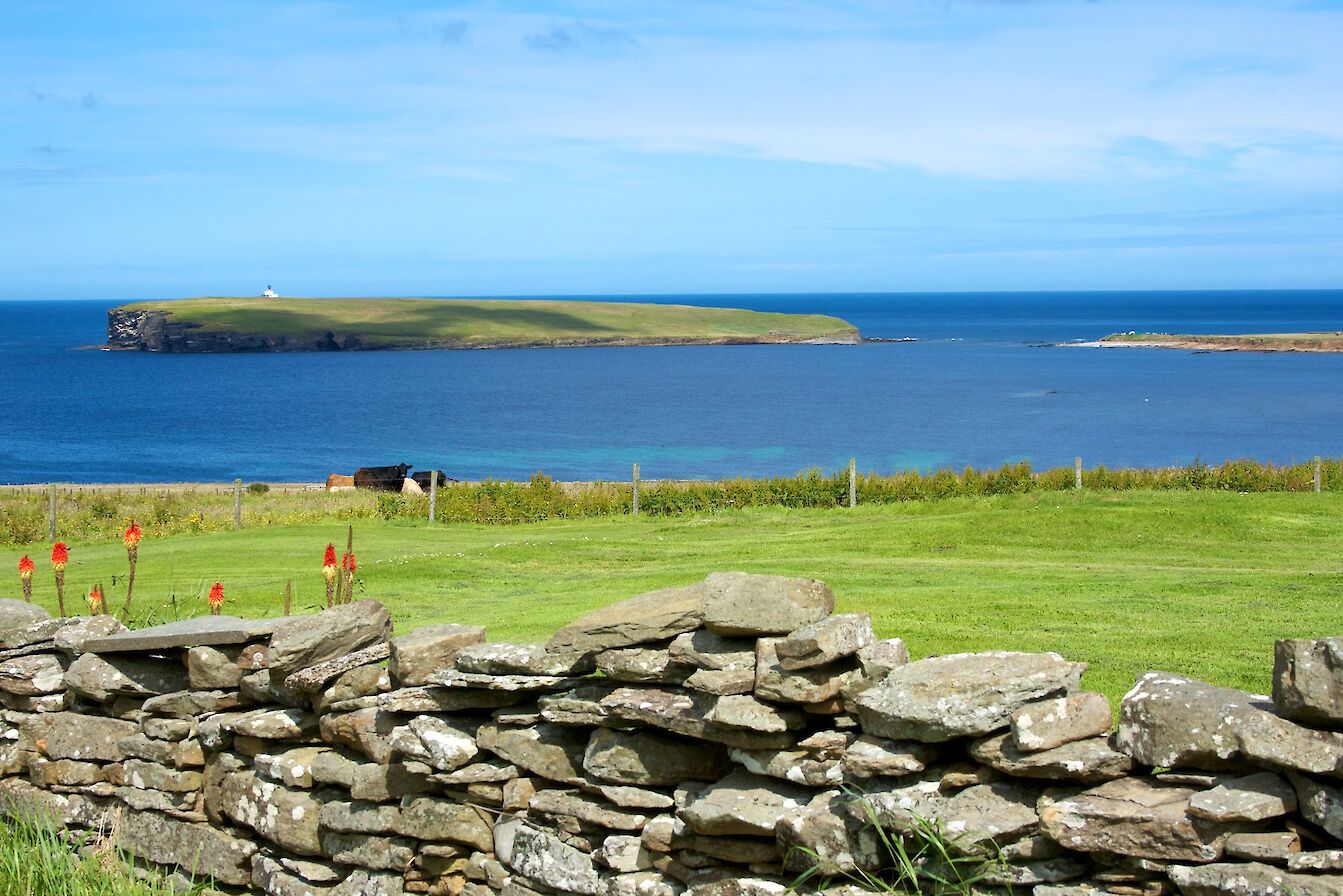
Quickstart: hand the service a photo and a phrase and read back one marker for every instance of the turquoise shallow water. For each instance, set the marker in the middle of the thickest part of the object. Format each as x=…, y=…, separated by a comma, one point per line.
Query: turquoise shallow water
x=977, y=388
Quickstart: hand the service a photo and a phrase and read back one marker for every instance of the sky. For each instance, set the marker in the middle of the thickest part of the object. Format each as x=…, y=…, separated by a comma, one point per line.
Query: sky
x=164, y=148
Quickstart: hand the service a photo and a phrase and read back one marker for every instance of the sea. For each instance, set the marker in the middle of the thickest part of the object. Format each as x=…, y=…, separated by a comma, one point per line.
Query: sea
x=986, y=379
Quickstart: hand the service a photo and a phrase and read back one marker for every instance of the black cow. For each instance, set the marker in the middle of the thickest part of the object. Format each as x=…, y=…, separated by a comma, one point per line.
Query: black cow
x=423, y=479
x=381, y=479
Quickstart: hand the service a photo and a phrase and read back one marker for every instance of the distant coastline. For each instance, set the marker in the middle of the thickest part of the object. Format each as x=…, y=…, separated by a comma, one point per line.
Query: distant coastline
x=1249, y=342
x=273, y=324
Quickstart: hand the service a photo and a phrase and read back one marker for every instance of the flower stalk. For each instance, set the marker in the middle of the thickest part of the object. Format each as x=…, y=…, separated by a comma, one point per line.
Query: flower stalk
x=26, y=568
x=132, y=541
x=60, y=557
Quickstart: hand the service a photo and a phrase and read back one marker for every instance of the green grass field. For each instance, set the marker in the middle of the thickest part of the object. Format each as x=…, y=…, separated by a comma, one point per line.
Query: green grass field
x=467, y=322
x=1199, y=583
x=1252, y=342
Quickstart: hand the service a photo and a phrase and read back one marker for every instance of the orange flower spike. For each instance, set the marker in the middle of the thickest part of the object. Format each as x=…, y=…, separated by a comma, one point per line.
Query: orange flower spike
x=96, y=599
x=329, y=561
x=132, y=536
x=349, y=563
x=60, y=556
x=216, y=597
x=26, y=567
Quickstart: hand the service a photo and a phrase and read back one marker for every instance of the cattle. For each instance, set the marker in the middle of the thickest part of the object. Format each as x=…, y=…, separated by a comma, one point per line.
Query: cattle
x=382, y=479
x=338, y=483
x=423, y=479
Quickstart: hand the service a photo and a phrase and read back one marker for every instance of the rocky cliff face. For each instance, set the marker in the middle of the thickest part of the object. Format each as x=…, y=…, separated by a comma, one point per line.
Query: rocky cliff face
x=155, y=331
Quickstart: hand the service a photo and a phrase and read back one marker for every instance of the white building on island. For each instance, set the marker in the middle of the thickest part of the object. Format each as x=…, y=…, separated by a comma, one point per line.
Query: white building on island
x=270, y=294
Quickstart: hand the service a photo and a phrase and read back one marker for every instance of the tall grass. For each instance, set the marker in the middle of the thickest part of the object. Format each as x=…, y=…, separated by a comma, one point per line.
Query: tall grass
x=102, y=515
x=37, y=859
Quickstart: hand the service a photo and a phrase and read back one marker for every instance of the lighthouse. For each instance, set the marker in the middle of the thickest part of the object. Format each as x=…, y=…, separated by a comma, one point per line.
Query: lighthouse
x=270, y=294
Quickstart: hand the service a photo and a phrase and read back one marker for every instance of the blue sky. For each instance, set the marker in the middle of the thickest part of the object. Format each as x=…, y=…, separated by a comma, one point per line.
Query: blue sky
x=159, y=149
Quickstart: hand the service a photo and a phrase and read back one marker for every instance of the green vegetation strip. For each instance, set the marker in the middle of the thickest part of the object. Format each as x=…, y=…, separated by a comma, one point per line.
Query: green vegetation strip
x=1250, y=342
x=492, y=322
x=1198, y=583
x=38, y=859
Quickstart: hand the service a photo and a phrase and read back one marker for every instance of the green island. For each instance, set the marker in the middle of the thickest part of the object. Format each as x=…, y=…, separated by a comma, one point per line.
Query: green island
x=224, y=324
x=1248, y=342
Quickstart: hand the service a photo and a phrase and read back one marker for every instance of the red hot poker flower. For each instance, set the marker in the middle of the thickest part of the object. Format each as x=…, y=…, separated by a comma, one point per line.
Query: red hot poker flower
x=60, y=555
x=96, y=599
x=329, y=560
x=132, y=536
x=216, y=597
x=25, y=567
x=347, y=562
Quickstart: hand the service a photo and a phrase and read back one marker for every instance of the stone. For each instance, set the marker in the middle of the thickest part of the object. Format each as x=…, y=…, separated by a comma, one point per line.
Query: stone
x=493, y=771
x=435, y=742
x=363, y=681
x=721, y=681
x=431, y=818
x=587, y=809
x=553, y=752
x=1133, y=817
x=436, y=699
x=354, y=817
x=178, y=805
x=624, y=854
x=16, y=615
x=368, y=883
x=1321, y=860
x=214, y=668
x=743, y=804
x=21, y=799
x=76, y=631
x=1308, y=680
x=1083, y=761
x=640, y=883
x=167, y=729
x=700, y=716
x=630, y=797
x=869, y=757
x=274, y=879
x=651, y=617
x=980, y=818
x=314, y=678
x=1272, y=847
x=880, y=658
x=69, y=772
x=292, y=768
x=648, y=758
x=179, y=754
x=1062, y=720
x=706, y=650
x=68, y=735
x=101, y=678
x=521, y=659
x=196, y=848
x=1321, y=804
x=1171, y=721
x=32, y=676
x=194, y=632
x=1252, y=798
x=643, y=665
x=1251, y=879
x=542, y=857
x=825, y=642
x=738, y=603
x=451, y=678
x=581, y=706
x=429, y=649
x=369, y=851
x=152, y=776
x=302, y=641
x=797, y=766
x=190, y=704
x=941, y=698
x=275, y=724
x=376, y=782
x=750, y=714
x=826, y=837
x=367, y=730
x=288, y=818
x=810, y=685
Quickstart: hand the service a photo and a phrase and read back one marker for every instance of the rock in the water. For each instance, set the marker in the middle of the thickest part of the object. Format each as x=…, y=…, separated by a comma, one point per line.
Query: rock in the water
x=553, y=752
x=303, y=641
x=1084, y=761
x=1251, y=879
x=520, y=659
x=1252, y=798
x=1062, y=720
x=431, y=648
x=647, y=758
x=1308, y=680
x=656, y=616
x=103, y=677
x=738, y=603
x=1171, y=721
x=197, y=848
x=16, y=614
x=436, y=742
x=68, y=735
x=1132, y=817
x=540, y=856
x=945, y=697
x=743, y=804
x=820, y=643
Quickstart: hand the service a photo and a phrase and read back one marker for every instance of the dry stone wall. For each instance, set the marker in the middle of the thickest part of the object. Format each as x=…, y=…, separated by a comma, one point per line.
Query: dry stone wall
x=715, y=740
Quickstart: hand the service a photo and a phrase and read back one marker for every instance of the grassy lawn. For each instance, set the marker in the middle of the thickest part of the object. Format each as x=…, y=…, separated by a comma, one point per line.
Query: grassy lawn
x=468, y=322
x=1198, y=583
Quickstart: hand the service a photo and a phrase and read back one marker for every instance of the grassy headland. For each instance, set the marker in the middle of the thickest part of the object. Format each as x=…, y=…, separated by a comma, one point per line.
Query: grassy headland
x=1249, y=342
x=1198, y=583
x=284, y=324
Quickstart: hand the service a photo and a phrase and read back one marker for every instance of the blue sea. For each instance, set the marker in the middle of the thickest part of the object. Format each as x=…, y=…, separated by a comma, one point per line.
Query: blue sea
x=980, y=385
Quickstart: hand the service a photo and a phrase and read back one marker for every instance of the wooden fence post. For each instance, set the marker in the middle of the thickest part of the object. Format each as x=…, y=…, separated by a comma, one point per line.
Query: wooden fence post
x=634, y=493
x=51, y=513
x=289, y=597
x=853, y=482
x=1319, y=476
x=1077, y=473
x=433, y=494
x=237, y=503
